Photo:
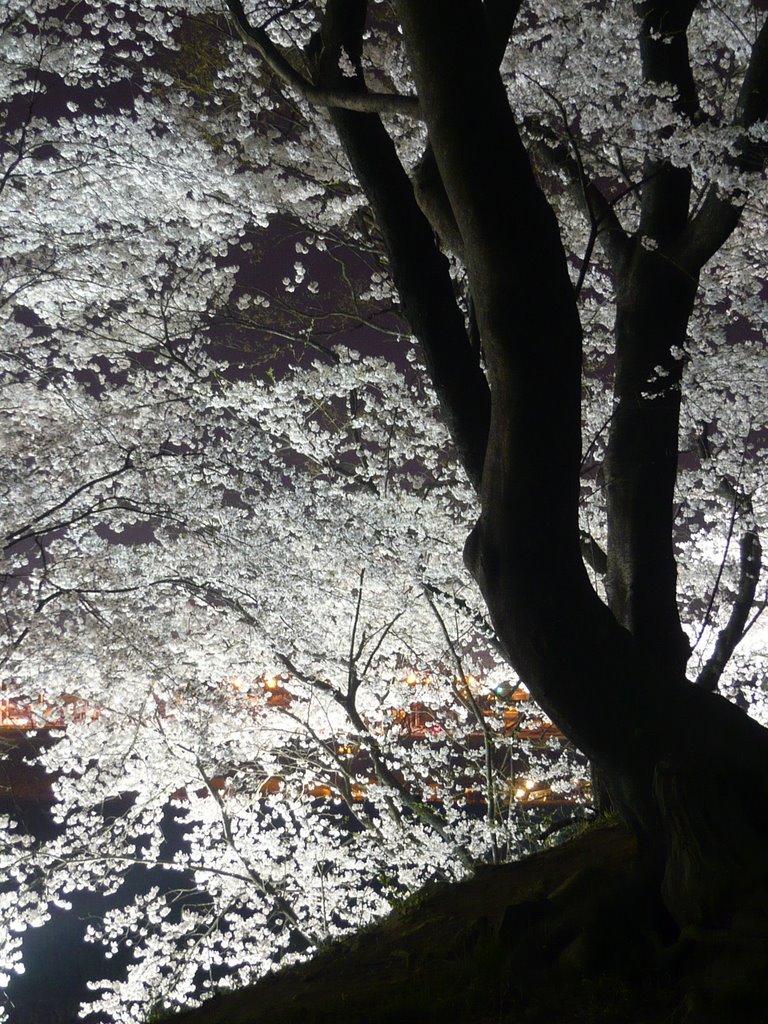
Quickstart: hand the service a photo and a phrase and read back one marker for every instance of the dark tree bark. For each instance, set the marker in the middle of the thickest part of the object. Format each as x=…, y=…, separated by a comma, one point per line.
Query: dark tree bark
x=654, y=302
x=611, y=678
x=420, y=271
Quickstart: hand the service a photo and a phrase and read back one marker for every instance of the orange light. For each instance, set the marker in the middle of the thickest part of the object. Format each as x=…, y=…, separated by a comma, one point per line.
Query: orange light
x=319, y=790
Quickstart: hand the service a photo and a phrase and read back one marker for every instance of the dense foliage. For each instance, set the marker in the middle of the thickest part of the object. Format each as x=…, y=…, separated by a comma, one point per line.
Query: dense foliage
x=233, y=516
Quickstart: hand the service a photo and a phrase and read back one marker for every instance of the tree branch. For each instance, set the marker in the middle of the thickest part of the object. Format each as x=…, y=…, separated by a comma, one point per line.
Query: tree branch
x=27, y=531
x=729, y=637
x=420, y=271
x=360, y=100
x=430, y=192
x=353, y=678
x=665, y=61
x=386, y=776
x=560, y=637
x=749, y=572
x=480, y=623
x=347, y=702
x=718, y=215
x=500, y=17
x=654, y=300
x=664, y=49
x=282, y=906
x=552, y=154
x=593, y=554
x=488, y=744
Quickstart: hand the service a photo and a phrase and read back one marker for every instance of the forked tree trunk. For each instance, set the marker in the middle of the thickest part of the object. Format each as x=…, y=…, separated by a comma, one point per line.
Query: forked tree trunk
x=686, y=770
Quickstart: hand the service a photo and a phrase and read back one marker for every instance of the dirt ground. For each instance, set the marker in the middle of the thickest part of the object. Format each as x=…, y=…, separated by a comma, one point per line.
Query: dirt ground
x=567, y=935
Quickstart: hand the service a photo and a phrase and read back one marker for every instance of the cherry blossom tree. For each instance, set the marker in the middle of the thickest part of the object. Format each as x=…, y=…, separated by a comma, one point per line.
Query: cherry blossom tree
x=258, y=565
x=520, y=303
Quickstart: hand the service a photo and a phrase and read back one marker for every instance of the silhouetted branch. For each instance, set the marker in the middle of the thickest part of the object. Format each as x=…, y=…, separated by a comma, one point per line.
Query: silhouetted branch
x=549, y=152
x=749, y=572
x=718, y=214
x=593, y=554
x=488, y=745
x=371, y=102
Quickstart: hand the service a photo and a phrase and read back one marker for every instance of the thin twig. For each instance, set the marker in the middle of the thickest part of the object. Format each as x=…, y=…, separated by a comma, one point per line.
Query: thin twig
x=488, y=745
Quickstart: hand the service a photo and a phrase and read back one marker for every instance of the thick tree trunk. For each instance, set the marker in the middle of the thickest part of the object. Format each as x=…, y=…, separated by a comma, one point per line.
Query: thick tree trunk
x=666, y=749
x=612, y=680
x=654, y=302
x=711, y=790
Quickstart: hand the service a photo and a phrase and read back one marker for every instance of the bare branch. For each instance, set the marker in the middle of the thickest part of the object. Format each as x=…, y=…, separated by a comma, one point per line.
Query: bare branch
x=25, y=532
x=265, y=887
x=385, y=775
x=480, y=623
